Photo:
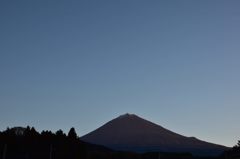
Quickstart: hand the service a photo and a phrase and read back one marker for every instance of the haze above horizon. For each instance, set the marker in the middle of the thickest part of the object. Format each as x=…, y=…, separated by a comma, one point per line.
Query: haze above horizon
x=82, y=63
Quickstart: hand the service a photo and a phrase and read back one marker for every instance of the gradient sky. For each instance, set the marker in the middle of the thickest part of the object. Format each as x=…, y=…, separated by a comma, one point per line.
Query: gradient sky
x=82, y=63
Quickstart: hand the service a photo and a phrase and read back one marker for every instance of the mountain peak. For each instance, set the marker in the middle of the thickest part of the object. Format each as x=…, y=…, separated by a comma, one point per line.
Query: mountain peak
x=129, y=132
x=127, y=115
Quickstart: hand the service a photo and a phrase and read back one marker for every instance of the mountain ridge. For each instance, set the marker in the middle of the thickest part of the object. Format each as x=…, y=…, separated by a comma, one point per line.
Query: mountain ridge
x=130, y=132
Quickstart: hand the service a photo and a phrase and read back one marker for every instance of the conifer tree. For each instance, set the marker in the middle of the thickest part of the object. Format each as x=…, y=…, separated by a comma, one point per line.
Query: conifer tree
x=72, y=133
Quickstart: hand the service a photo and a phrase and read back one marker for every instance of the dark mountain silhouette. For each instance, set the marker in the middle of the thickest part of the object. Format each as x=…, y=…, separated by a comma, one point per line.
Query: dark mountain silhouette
x=131, y=133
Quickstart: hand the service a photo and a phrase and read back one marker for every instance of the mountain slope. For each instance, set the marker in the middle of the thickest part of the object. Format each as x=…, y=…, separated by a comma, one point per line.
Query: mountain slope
x=131, y=133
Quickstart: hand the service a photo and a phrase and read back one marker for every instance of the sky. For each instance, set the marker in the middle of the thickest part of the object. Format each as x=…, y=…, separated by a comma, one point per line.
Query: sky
x=82, y=63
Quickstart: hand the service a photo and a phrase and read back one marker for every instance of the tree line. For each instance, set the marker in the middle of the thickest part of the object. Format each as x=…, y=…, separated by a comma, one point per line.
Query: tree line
x=27, y=143
x=233, y=153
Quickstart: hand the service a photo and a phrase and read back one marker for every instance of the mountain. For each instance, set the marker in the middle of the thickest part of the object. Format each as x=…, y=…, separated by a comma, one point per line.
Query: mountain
x=131, y=133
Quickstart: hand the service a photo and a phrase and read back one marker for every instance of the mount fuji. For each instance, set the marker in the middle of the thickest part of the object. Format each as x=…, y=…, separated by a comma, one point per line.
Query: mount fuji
x=129, y=132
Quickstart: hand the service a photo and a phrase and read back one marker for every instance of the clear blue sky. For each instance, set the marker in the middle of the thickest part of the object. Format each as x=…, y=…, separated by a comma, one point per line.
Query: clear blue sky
x=82, y=63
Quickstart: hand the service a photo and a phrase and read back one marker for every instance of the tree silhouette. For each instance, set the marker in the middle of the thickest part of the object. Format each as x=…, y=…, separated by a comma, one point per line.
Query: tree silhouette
x=60, y=133
x=72, y=133
x=238, y=144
